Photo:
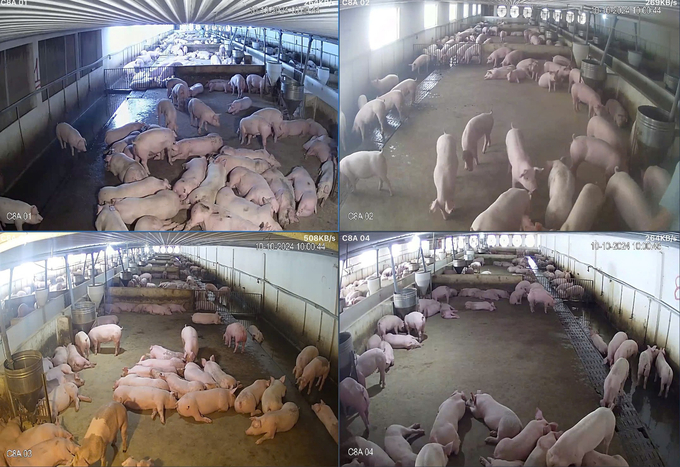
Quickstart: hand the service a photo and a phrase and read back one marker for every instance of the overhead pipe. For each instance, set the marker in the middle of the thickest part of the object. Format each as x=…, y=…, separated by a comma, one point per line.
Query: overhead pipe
x=674, y=108
x=377, y=266
x=5, y=341
x=587, y=27
x=609, y=40
x=394, y=271
x=69, y=282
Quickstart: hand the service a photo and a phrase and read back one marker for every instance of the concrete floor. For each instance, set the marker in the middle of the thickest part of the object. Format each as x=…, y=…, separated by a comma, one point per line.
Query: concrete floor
x=65, y=188
x=547, y=120
x=185, y=442
x=523, y=360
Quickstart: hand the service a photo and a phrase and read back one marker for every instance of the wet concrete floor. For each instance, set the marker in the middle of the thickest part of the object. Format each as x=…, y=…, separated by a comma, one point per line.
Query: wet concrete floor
x=183, y=441
x=65, y=188
x=547, y=121
x=523, y=360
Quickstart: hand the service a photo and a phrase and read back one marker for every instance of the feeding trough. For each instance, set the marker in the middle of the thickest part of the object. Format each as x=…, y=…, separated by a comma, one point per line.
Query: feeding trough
x=423, y=280
x=83, y=315
x=25, y=381
x=373, y=285
x=96, y=293
x=125, y=277
x=293, y=93
x=405, y=302
x=41, y=297
x=323, y=74
x=459, y=265
x=593, y=74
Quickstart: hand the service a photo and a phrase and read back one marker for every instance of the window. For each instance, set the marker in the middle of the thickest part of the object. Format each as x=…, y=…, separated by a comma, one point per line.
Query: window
x=479, y=8
x=514, y=11
x=527, y=12
x=582, y=18
x=453, y=11
x=466, y=10
x=430, y=15
x=384, y=27
x=544, y=14
x=90, y=50
x=557, y=15
x=502, y=11
x=570, y=17
x=17, y=72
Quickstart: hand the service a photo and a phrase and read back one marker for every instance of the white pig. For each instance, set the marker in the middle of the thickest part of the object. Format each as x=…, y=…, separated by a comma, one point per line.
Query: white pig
x=18, y=213
x=445, y=175
x=66, y=134
x=614, y=382
x=138, y=189
x=585, y=209
x=561, y=183
x=506, y=213
x=371, y=110
x=270, y=423
x=593, y=429
x=522, y=170
x=478, y=126
x=363, y=165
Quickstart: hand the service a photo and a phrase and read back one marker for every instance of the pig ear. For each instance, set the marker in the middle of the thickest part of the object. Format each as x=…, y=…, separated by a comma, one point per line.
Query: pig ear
x=283, y=379
x=539, y=414
x=553, y=426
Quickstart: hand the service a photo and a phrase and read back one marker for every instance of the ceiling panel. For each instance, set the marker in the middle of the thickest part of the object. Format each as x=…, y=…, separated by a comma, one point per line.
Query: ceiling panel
x=21, y=248
x=318, y=17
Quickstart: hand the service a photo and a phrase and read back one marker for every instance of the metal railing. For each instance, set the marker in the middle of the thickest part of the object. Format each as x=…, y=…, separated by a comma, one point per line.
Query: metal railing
x=137, y=79
x=567, y=262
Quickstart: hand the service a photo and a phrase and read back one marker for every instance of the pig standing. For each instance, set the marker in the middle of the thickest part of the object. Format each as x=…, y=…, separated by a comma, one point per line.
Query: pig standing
x=498, y=55
x=506, y=213
x=614, y=344
x=539, y=296
x=445, y=427
x=254, y=126
x=645, y=363
x=581, y=92
x=443, y=292
x=561, y=183
x=368, y=363
x=103, y=430
x=614, y=382
x=316, y=370
x=371, y=110
x=169, y=112
x=445, y=175
x=655, y=183
x=422, y=60
x=522, y=170
x=415, y=321
x=354, y=395
x=497, y=417
x=202, y=114
x=238, y=333
x=593, y=429
x=18, y=213
x=627, y=349
x=305, y=356
x=198, y=404
x=238, y=85
x=598, y=342
x=382, y=85
x=601, y=128
x=270, y=423
x=154, y=141
x=394, y=99
x=390, y=323
x=596, y=151
x=478, y=126
x=66, y=134
x=617, y=112
x=585, y=209
x=106, y=333
x=82, y=342
x=145, y=398
x=249, y=398
x=389, y=352
x=663, y=371
x=363, y=165
x=190, y=342
x=201, y=146
x=629, y=200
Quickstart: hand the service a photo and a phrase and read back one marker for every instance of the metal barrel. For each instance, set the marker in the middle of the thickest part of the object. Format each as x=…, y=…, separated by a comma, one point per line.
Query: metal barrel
x=83, y=315
x=25, y=377
x=593, y=73
x=405, y=302
x=652, y=128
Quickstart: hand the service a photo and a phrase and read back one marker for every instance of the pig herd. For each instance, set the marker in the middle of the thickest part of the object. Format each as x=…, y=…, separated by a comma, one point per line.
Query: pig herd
x=534, y=444
x=222, y=187
x=606, y=144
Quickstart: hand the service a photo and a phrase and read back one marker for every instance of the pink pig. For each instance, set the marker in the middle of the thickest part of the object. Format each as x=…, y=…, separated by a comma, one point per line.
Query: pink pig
x=627, y=349
x=399, y=341
x=645, y=363
x=238, y=84
x=614, y=344
x=238, y=333
x=519, y=447
x=448, y=313
x=614, y=382
x=368, y=363
x=66, y=134
x=106, y=333
x=517, y=296
x=202, y=114
x=240, y=104
x=82, y=343
x=415, y=321
x=389, y=352
x=443, y=292
x=595, y=428
x=428, y=307
x=305, y=191
x=275, y=421
x=198, y=404
x=390, y=323
x=581, y=92
x=190, y=341
x=522, y=170
x=445, y=175
x=663, y=371
x=445, y=428
x=480, y=306
x=145, y=398
x=502, y=421
x=537, y=295
x=206, y=318
x=601, y=128
x=498, y=55
x=353, y=395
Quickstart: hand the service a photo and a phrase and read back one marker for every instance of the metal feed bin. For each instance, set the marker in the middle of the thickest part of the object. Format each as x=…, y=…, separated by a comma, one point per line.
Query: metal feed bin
x=593, y=74
x=293, y=93
x=346, y=356
x=25, y=382
x=405, y=302
x=83, y=315
x=653, y=136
